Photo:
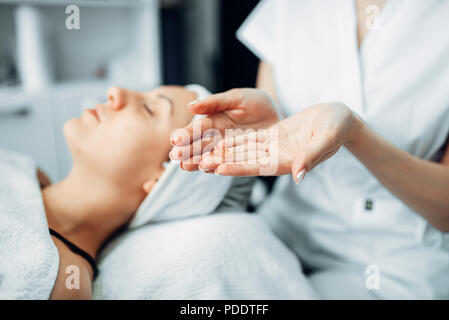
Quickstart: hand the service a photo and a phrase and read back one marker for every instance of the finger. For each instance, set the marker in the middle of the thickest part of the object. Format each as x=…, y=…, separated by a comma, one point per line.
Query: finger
x=209, y=162
x=244, y=152
x=189, y=167
x=257, y=154
x=239, y=170
x=218, y=102
x=193, y=160
x=193, y=131
x=237, y=140
x=197, y=147
x=298, y=174
x=190, y=164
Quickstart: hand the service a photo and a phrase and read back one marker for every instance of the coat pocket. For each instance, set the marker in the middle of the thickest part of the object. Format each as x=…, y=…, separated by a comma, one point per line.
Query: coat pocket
x=384, y=215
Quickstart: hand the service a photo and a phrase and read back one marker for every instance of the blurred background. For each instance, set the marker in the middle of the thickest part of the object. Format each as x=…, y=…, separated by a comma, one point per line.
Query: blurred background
x=49, y=73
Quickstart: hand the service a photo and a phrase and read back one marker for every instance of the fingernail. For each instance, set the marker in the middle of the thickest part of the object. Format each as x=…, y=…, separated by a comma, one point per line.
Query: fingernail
x=173, y=140
x=176, y=138
x=192, y=103
x=175, y=154
x=300, y=176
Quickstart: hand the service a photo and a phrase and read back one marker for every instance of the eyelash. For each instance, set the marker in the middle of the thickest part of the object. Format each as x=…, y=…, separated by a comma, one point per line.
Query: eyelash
x=148, y=109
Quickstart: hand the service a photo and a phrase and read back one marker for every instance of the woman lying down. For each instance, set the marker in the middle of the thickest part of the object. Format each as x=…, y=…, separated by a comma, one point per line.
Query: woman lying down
x=173, y=248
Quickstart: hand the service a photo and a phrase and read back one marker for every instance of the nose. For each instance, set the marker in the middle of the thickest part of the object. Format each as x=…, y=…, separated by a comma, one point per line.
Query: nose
x=117, y=97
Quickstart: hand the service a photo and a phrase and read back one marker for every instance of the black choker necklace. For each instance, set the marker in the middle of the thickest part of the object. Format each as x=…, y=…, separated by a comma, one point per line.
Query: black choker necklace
x=77, y=250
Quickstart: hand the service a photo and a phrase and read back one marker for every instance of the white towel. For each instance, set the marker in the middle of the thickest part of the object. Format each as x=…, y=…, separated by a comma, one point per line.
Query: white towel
x=180, y=194
x=221, y=256
x=29, y=260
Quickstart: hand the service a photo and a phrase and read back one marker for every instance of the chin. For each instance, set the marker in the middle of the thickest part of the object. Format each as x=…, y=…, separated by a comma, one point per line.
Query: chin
x=69, y=129
x=71, y=133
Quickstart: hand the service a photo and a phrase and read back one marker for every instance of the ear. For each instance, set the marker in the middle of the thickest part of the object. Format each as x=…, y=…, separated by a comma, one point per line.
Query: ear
x=150, y=183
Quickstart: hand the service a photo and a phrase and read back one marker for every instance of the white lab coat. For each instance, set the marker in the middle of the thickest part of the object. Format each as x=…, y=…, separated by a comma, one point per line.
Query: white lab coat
x=399, y=84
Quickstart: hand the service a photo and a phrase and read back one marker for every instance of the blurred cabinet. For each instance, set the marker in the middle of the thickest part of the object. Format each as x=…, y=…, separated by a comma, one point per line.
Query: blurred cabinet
x=28, y=128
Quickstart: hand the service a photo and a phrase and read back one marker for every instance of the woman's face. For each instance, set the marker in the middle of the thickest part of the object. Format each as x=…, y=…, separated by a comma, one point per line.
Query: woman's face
x=126, y=139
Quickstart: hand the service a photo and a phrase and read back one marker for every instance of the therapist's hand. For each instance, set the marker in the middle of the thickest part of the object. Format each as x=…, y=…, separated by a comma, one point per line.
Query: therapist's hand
x=295, y=145
x=234, y=109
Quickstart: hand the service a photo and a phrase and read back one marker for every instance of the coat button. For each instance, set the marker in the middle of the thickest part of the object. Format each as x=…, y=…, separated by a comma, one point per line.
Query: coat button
x=369, y=204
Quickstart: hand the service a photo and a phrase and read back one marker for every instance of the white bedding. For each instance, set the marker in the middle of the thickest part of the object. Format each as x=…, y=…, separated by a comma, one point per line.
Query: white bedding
x=29, y=259
x=221, y=256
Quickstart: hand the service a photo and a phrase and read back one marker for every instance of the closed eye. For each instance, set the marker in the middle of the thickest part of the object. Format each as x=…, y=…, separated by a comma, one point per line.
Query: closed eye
x=148, y=109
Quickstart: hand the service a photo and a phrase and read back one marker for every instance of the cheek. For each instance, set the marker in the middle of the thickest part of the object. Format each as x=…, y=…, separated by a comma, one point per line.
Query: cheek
x=131, y=149
x=117, y=146
x=100, y=148
x=150, y=145
x=160, y=141
x=125, y=151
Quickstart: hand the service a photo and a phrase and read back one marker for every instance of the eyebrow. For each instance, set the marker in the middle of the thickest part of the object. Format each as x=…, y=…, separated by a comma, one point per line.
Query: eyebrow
x=170, y=101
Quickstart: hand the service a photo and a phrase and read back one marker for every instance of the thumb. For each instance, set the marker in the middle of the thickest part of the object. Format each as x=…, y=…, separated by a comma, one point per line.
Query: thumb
x=218, y=102
x=298, y=170
x=318, y=150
